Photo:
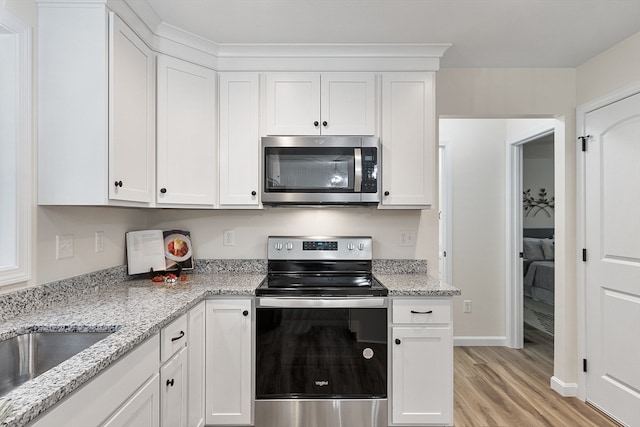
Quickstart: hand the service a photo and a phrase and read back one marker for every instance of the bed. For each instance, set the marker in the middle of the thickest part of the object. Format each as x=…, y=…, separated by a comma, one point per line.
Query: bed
x=538, y=248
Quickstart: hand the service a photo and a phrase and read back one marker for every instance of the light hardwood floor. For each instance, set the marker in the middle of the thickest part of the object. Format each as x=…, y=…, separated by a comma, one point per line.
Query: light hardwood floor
x=498, y=386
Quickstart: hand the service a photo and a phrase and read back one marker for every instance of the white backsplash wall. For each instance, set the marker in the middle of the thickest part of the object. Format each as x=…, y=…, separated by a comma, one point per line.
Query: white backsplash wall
x=82, y=223
x=252, y=227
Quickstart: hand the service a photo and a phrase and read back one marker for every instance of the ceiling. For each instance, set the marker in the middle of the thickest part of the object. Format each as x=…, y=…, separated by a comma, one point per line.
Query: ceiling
x=484, y=33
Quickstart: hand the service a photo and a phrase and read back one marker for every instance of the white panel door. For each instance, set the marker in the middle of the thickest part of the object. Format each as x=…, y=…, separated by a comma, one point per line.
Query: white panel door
x=186, y=133
x=141, y=410
x=612, y=218
x=422, y=376
x=173, y=390
x=293, y=104
x=239, y=140
x=131, y=115
x=408, y=140
x=348, y=104
x=228, y=362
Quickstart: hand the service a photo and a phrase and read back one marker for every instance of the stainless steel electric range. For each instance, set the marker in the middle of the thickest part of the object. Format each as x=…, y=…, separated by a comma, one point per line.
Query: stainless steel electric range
x=321, y=335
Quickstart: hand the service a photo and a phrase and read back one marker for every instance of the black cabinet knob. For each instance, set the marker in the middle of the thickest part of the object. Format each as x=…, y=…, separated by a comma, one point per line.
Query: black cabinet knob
x=386, y=193
x=163, y=190
x=253, y=193
x=325, y=124
x=245, y=313
x=316, y=123
x=118, y=184
x=398, y=341
x=170, y=383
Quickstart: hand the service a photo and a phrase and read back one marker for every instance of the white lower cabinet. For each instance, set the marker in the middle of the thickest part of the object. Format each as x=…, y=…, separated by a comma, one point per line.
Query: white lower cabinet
x=141, y=410
x=173, y=390
x=421, y=362
x=228, y=362
x=125, y=394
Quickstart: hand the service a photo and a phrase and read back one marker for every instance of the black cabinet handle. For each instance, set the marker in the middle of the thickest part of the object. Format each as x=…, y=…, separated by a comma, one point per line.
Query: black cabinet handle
x=178, y=337
x=422, y=312
x=398, y=341
x=325, y=123
x=163, y=190
x=118, y=184
x=253, y=193
x=386, y=193
x=315, y=123
x=245, y=313
x=170, y=383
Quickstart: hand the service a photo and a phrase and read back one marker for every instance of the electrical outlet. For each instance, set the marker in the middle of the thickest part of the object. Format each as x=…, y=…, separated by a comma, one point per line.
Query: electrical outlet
x=64, y=246
x=99, y=241
x=407, y=238
x=466, y=306
x=228, y=238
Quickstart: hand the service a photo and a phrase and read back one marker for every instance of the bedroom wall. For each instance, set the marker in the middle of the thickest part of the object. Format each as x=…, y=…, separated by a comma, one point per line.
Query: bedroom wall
x=537, y=174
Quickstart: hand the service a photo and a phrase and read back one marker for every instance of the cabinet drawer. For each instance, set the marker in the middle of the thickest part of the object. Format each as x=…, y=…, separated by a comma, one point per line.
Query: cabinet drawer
x=173, y=337
x=421, y=311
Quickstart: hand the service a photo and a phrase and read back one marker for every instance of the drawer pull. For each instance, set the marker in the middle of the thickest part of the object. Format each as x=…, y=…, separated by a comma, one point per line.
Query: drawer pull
x=178, y=337
x=421, y=312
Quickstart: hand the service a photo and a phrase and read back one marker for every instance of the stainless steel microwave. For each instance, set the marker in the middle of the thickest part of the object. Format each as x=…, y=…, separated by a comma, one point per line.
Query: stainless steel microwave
x=320, y=170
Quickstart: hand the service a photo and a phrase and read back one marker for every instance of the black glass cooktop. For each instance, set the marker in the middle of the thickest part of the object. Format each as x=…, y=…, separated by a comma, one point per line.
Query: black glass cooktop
x=320, y=284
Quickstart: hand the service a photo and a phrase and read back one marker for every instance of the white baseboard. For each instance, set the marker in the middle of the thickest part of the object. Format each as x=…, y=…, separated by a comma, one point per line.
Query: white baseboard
x=564, y=389
x=480, y=341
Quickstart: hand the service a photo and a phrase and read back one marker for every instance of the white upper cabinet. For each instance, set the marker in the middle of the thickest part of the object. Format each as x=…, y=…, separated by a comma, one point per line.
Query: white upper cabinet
x=239, y=140
x=320, y=104
x=131, y=115
x=186, y=150
x=408, y=140
x=96, y=131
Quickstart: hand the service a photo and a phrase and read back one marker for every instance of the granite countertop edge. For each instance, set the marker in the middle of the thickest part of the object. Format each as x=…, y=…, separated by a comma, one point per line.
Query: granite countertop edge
x=135, y=310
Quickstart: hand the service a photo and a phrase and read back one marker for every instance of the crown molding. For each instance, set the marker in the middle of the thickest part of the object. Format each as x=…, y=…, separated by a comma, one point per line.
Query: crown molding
x=174, y=41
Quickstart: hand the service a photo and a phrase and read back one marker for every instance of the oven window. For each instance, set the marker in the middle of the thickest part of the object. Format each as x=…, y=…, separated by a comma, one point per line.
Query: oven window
x=289, y=169
x=321, y=353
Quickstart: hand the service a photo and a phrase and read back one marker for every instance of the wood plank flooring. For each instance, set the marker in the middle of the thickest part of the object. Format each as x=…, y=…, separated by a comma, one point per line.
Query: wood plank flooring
x=498, y=386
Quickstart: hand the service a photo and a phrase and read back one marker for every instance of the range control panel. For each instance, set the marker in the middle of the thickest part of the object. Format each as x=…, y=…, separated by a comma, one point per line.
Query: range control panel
x=320, y=248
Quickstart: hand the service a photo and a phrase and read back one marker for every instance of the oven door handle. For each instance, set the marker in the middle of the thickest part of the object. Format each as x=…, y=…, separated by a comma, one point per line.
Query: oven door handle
x=321, y=302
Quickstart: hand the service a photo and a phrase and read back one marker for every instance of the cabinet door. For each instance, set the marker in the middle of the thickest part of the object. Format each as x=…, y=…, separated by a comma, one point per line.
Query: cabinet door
x=141, y=410
x=195, y=366
x=408, y=140
x=239, y=140
x=422, y=376
x=348, y=104
x=293, y=104
x=228, y=362
x=186, y=133
x=131, y=115
x=173, y=391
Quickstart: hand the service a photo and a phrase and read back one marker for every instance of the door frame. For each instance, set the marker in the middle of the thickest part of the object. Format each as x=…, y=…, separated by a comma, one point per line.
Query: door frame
x=581, y=288
x=445, y=207
x=514, y=295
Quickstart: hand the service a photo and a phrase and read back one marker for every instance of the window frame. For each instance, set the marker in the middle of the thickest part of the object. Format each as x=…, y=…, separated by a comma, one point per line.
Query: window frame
x=20, y=271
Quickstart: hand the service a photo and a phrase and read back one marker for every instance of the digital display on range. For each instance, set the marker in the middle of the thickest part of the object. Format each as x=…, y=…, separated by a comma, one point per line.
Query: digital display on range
x=320, y=246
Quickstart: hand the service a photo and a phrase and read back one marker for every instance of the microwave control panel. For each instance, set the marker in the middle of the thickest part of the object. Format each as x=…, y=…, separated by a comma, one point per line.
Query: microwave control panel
x=369, y=170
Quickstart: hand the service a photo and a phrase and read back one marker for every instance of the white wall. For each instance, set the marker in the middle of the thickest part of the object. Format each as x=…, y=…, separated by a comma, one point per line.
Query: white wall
x=613, y=69
x=477, y=151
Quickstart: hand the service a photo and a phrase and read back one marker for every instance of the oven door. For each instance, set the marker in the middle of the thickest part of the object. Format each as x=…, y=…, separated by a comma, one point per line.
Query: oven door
x=332, y=348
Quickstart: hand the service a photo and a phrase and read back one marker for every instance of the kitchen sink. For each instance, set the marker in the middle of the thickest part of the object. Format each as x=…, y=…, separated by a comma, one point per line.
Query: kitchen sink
x=26, y=356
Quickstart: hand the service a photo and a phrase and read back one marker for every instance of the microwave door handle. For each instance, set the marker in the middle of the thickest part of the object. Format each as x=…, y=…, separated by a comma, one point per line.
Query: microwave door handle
x=357, y=182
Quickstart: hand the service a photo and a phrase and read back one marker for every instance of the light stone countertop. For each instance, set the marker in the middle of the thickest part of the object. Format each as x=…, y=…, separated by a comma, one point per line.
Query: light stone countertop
x=136, y=310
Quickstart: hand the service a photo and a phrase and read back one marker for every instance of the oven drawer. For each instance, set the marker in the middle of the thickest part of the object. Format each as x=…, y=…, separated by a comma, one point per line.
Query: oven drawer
x=421, y=311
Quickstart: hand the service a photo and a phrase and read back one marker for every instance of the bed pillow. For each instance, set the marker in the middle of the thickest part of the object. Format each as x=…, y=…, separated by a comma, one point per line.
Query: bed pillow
x=548, y=248
x=533, y=249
